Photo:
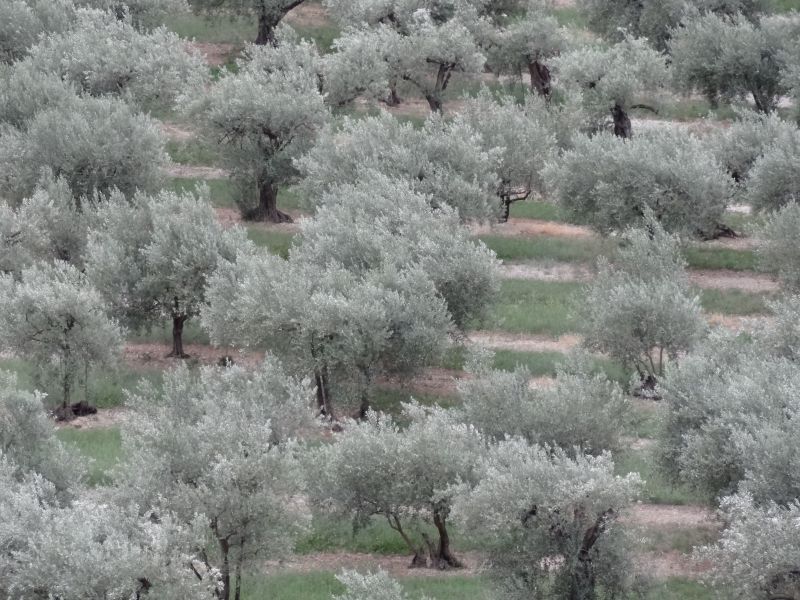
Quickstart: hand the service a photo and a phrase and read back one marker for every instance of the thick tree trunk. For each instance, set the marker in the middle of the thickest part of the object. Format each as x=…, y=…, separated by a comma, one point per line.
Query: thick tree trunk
x=418, y=561
x=324, y=403
x=441, y=556
x=177, y=337
x=267, y=209
x=540, y=79
x=393, y=99
x=266, y=31
x=622, y=123
x=434, y=102
x=506, y=209
x=583, y=579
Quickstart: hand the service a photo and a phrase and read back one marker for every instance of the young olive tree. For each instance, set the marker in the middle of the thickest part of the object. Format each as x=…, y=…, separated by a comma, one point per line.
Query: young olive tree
x=582, y=411
x=152, y=257
x=51, y=225
x=269, y=13
x=739, y=146
x=758, y=555
x=372, y=586
x=524, y=44
x=608, y=80
x=422, y=48
x=781, y=337
x=89, y=550
x=550, y=521
x=22, y=22
x=218, y=444
x=640, y=309
x=730, y=58
x=444, y=160
x=28, y=440
x=650, y=19
x=376, y=469
x=143, y=14
x=263, y=116
x=524, y=135
x=610, y=183
x=95, y=144
x=774, y=181
x=55, y=318
x=105, y=56
x=24, y=93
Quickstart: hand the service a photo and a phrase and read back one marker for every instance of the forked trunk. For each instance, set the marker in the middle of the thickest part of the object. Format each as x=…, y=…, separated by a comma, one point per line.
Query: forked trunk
x=177, y=337
x=622, y=122
x=418, y=561
x=267, y=209
x=540, y=79
x=440, y=554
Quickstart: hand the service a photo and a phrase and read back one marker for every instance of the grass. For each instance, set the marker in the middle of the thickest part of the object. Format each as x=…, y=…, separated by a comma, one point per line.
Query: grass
x=277, y=242
x=563, y=249
x=536, y=307
x=223, y=192
x=714, y=257
x=646, y=420
x=101, y=446
x=192, y=333
x=679, y=589
x=192, y=152
x=321, y=585
x=536, y=209
x=218, y=30
x=657, y=489
x=106, y=389
x=733, y=302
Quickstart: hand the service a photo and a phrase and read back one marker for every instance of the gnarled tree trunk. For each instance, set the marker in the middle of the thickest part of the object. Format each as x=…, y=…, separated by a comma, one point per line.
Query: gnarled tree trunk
x=419, y=556
x=177, y=337
x=540, y=79
x=440, y=554
x=622, y=122
x=267, y=209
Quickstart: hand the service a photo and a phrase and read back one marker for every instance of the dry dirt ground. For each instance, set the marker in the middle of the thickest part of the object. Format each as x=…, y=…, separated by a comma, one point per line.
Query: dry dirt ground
x=105, y=417
x=195, y=172
x=175, y=132
x=524, y=343
x=516, y=227
x=215, y=55
x=231, y=216
x=309, y=15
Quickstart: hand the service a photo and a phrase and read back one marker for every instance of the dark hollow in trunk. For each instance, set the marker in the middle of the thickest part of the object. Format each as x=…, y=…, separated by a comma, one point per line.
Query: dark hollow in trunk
x=622, y=123
x=267, y=209
x=540, y=79
x=177, y=337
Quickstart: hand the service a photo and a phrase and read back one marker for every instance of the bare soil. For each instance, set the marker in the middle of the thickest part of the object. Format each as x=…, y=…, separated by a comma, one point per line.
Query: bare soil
x=215, y=55
x=154, y=355
x=432, y=381
x=670, y=516
x=195, y=172
x=309, y=14
x=104, y=417
x=176, y=132
x=738, y=323
x=546, y=271
x=666, y=565
x=524, y=343
x=228, y=217
x=516, y=227
x=395, y=565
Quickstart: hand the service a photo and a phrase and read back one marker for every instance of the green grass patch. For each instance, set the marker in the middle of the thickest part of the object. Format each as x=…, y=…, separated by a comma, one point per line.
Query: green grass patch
x=277, y=242
x=679, y=588
x=714, y=257
x=162, y=333
x=536, y=209
x=323, y=36
x=223, y=192
x=543, y=307
x=320, y=585
x=541, y=247
x=101, y=447
x=785, y=5
x=106, y=388
x=646, y=422
x=192, y=152
x=217, y=30
x=733, y=302
x=657, y=489
x=571, y=16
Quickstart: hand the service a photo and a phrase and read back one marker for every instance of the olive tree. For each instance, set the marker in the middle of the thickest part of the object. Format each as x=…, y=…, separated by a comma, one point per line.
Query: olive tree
x=28, y=439
x=95, y=144
x=524, y=44
x=730, y=58
x=610, y=183
x=778, y=249
x=371, y=586
x=23, y=22
x=268, y=13
x=581, y=411
x=374, y=468
x=53, y=317
x=91, y=550
x=758, y=555
x=650, y=19
x=143, y=14
x=105, y=56
x=263, y=116
x=219, y=444
x=50, y=225
x=774, y=182
x=781, y=335
x=24, y=93
x=444, y=160
x=151, y=257
x=422, y=48
x=640, y=308
x=523, y=133
x=550, y=521
x=609, y=79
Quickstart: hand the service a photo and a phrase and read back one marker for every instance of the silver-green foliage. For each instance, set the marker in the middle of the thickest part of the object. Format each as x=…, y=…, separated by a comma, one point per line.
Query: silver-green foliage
x=219, y=443
x=581, y=410
x=106, y=56
x=90, y=550
x=24, y=92
x=651, y=19
x=778, y=249
x=610, y=183
x=53, y=317
x=28, y=441
x=549, y=521
x=370, y=586
x=95, y=144
x=758, y=553
x=22, y=22
x=730, y=58
x=774, y=181
x=151, y=257
x=640, y=308
x=444, y=160
x=408, y=475
x=144, y=14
